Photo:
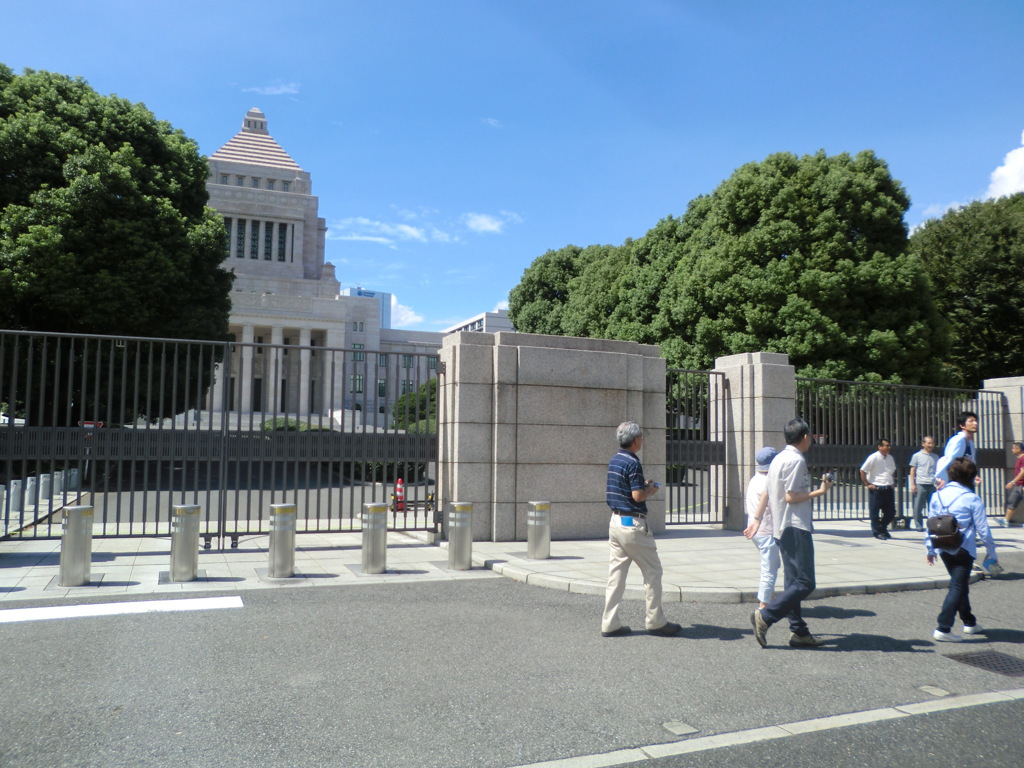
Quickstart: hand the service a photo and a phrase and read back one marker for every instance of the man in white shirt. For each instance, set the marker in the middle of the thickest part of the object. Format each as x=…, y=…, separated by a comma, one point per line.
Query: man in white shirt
x=878, y=474
x=789, y=496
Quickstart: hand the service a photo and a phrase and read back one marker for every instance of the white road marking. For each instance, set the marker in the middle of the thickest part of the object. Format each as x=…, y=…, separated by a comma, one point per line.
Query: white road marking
x=113, y=609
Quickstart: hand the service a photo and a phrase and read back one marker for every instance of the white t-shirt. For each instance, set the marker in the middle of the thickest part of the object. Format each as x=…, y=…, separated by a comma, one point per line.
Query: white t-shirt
x=757, y=485
x=880, y=470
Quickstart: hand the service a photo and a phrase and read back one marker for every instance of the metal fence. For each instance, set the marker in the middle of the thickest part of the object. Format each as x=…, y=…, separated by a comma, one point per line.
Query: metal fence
x=695, y=450
x=135, y=425
x=848, y=418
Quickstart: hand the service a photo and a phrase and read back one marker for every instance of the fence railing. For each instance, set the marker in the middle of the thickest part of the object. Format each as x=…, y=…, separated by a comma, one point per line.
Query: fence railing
x=848, y=418
x=134, y=425
x=695, y=450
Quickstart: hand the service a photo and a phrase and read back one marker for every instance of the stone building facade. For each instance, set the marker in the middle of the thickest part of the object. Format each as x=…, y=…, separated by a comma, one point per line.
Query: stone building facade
x=286, y=295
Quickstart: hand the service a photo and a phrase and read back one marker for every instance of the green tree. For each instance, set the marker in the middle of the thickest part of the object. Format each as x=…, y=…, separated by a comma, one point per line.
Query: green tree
x=975, y=256
x=104, y=229
x=416, y=411
x=536, y=305
x=103, y=220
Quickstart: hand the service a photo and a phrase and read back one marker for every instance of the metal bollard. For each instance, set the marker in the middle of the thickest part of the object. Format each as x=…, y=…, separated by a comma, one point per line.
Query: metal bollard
x=460, y=536
x=375, y=538
x=282, y=541
x=17, y=500
x=538, y=530
x=58, y=482
x=31, y=491
x=71, y=479
x=3, y=499
x=45, y=489
x=185, y=542
x=76, y=547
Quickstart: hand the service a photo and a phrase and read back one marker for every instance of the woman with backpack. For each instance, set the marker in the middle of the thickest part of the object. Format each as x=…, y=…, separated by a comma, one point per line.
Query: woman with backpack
x=956, y=519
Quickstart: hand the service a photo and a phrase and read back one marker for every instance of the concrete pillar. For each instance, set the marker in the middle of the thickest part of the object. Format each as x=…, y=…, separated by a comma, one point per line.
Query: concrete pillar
x=244, y=374
x=304, y=373
x=760, y=397
x=273, y=371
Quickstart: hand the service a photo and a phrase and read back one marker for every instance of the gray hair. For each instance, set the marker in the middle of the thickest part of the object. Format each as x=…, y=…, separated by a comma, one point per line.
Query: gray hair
x=627, y=432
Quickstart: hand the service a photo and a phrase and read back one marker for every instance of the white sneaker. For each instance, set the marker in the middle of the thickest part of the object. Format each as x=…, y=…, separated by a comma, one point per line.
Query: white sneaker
x=977, y=629
x=946, y=637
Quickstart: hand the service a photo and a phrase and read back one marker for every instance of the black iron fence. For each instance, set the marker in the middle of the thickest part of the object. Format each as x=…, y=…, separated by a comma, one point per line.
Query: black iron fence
x=695, y=447
x=133, y=426
x=848, y=418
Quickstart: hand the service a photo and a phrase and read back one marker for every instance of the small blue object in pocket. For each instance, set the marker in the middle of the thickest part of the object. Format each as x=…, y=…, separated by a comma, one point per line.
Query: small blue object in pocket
x=627, y=522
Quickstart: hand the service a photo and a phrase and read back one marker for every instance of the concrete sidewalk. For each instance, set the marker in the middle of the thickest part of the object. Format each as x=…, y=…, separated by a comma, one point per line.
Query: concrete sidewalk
x=702, y=563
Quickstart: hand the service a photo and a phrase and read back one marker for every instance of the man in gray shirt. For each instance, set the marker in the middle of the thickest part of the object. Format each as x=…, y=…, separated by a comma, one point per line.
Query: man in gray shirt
x=789, y=495
x=922, y=479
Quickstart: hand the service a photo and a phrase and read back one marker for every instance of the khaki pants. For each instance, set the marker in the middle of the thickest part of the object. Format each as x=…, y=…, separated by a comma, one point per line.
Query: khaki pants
x=628, y=545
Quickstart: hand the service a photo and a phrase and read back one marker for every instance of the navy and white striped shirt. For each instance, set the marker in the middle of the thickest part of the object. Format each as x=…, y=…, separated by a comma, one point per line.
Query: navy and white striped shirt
x=625, y=475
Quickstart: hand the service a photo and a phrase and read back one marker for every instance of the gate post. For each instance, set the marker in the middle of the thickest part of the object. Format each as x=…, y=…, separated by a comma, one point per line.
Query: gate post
x=759, y=398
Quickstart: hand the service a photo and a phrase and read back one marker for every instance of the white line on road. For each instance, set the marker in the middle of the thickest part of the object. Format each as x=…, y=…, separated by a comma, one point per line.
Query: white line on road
x=114, y=609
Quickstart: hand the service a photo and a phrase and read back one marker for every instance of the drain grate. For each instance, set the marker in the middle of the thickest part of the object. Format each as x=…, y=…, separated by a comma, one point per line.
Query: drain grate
x=992, y=661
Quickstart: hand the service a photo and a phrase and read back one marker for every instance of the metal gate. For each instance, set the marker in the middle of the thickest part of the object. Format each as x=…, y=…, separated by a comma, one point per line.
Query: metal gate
x=133, y=426
x=695, y=447
x=847, y=419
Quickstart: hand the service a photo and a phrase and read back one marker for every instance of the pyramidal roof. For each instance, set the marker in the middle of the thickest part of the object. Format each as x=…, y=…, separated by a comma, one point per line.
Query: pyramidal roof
x=253, y=145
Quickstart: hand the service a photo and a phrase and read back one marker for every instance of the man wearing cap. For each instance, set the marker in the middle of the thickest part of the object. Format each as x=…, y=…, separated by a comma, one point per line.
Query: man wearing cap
x=759, y=525
x=878, y=475
x=629, y=538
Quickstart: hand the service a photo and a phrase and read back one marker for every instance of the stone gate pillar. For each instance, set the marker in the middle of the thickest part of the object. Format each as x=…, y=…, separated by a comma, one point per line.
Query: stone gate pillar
x=526, y=416
x=759, y=398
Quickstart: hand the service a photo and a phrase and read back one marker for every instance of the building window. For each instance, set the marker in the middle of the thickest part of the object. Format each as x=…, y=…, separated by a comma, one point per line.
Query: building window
x=358, y=357
x=227, y=233
x=240, y=239
x=286, y=186
x=254, y=240
x=287, y=341
x=223, y=178
x=282, y=240
x=382, y=388
x=268, y=240
x=240, y=181
x=259, y=345
x=255, y=183
x=408, y=386
x=407, y=361
x=382, y=361
x=356, y=382
x=270, y=184
x=432, y=363
x=357, y=326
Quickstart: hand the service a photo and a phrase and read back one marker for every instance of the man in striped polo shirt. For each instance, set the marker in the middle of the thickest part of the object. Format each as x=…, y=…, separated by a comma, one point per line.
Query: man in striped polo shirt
x=629, y=537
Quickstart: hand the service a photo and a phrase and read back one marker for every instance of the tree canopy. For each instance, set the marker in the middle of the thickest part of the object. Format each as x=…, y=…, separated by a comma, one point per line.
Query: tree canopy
x=104, y=227
x=975, y=255
x=802, y=255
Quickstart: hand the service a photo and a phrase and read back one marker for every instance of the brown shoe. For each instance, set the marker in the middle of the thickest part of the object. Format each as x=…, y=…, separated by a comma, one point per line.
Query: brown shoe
x=804, y=641
x=760, y=628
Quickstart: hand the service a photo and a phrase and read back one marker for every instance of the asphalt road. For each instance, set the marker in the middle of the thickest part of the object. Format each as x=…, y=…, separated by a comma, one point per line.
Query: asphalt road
x=492, y=674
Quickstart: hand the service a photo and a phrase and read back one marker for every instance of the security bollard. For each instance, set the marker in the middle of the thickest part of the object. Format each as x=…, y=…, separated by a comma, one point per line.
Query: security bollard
x=31, y=491
x=16, y=503
x=375, y=538
x=538, y=530
x=460, y=536
x=3, y=499
x=282, y=541
x=71, y=479
x=185, y=542
x=58, y=482
x=76, y=547
x=45, y=489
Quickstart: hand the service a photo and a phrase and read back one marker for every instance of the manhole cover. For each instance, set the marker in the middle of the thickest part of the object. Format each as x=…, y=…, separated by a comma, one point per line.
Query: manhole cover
x=992, y=661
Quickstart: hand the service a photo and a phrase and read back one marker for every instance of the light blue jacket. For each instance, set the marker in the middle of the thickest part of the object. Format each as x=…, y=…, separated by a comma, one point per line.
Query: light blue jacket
x=969, y=510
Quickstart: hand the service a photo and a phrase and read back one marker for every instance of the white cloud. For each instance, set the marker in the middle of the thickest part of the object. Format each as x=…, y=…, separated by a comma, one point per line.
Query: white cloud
x=367, y=230
x=488, y=224
x=402, y=315
x=501, y=305
x=1008, y=177
x=492, y=122
x=419, y=227
x=278, y=88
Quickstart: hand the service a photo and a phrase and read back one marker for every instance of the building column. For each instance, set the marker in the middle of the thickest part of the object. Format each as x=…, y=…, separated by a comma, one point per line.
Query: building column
x=244, y=373
x=274, y=370
x=759, y=398
x=304, y=373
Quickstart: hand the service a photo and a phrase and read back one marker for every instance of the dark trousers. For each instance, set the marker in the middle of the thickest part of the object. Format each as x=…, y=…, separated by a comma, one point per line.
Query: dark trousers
x=921, y=499
x=881, y=508
x=958, y=597
x=797, y=550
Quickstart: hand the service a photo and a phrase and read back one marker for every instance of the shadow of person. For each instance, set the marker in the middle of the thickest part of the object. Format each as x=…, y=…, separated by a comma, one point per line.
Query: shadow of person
x=880, y=643
x=712, y=632
x=997, y=635
x=834, y=612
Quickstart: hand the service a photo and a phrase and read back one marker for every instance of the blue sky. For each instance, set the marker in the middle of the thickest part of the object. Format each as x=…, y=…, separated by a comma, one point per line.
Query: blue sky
x=451, y=143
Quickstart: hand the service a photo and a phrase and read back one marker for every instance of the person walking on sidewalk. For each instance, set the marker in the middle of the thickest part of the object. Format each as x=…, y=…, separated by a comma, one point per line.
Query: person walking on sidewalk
x=1015, y=486
x=629, y=538
x=957, y=498
x=922, y=479
x=878, y=475
x=961, y=444
x=789, y=496
x=760, y=527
